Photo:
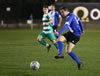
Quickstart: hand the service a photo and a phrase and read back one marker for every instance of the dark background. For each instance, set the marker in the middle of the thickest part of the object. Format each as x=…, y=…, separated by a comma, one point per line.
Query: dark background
x=21, y=9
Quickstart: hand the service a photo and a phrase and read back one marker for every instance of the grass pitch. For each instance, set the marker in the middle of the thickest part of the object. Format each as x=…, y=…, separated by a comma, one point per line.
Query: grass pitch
x=19, y=47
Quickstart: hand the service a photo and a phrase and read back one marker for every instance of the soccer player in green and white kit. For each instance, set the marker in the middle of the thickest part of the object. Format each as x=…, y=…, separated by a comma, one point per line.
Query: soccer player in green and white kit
x=47, y=29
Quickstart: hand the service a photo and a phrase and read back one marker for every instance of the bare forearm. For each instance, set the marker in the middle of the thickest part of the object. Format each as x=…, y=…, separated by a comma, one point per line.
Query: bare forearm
x=60, y=20
x=50, y=21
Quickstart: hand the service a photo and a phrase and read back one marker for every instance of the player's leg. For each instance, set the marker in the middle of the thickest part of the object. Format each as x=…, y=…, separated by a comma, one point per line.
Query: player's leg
x=40, y=39
x=52, y=38
x=72, y=54
x=61, y=39
x=55, y=43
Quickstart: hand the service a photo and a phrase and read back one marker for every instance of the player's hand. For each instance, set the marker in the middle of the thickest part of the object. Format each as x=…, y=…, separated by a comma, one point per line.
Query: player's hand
x=46, y=23
x=56, y=33
x=83, y=33
x=43, y=24
x=59, y=25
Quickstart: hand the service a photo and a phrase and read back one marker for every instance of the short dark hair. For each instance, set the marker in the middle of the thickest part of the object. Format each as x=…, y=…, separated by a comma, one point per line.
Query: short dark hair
x=63, y=8
x=53, y=5
x=45, y=6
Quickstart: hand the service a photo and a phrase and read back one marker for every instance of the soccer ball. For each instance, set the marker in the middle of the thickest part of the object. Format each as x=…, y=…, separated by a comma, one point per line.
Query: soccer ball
x=35, y=65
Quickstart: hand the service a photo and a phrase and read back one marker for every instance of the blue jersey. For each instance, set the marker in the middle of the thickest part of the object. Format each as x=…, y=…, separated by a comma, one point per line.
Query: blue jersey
x=55, y=16
x=74, y=25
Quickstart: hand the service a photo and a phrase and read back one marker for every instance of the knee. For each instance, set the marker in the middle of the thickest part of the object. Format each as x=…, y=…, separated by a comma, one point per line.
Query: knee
x=38, y=38
x=54, y=41
x=59, y=39
x=68, y=51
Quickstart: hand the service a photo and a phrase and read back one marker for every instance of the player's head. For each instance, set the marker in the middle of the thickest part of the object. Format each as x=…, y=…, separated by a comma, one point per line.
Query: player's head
x=45, y=9
x=64, y=11
x=52, y=7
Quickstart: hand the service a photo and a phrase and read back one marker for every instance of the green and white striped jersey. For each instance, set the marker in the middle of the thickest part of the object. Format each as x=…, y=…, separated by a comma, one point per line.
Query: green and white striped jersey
x=47, y=28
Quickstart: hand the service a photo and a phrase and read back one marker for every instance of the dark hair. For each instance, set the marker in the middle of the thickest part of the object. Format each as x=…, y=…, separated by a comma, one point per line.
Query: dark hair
x=45, y=6
x=63, y=8
x=53, y=5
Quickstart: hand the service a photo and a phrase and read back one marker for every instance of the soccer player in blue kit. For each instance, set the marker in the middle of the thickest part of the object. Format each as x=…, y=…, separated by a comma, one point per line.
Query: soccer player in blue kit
x=75, y=26
x=57, y=19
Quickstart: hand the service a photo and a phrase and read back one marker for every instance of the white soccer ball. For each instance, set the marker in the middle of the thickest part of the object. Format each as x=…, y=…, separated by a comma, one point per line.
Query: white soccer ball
x=35, y=65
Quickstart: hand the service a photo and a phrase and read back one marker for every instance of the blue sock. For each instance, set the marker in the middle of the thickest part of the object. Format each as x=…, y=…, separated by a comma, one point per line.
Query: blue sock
x=74, y=57
x=57, y=36
x=60, y=47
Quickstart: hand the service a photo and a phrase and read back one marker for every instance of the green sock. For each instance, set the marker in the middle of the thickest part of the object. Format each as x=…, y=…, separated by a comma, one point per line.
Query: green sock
x=56, y=45
x=43, y=42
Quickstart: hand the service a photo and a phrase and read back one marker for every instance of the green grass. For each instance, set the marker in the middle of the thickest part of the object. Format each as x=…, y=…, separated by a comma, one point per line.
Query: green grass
x=19, y=47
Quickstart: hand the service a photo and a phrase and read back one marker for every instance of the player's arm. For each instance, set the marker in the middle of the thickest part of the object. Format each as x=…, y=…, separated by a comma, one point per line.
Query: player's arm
x=60, y=20
x=64, y=27
x=81, y=26
x=68, y=22
x=50, y=19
